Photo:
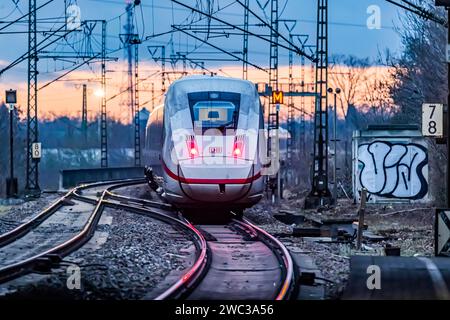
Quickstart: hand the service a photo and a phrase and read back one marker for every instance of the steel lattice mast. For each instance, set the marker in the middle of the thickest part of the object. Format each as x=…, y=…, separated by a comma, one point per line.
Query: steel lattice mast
x=137, y=126
x=291, y=112
x=273, y=115
x=320, y=194
x=245, y=46
x=32, y=184
x=84, y=115
x=103, y=119
x=129, y=54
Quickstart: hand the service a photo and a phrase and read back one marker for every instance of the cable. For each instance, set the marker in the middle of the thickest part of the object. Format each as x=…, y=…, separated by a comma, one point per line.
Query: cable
x=9, y=14
x=25, y=15
x=421, y=12
x=284, y=8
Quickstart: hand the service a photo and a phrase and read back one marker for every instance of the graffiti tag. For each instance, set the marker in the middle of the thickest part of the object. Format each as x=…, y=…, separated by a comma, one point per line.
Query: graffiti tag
x=393, y=170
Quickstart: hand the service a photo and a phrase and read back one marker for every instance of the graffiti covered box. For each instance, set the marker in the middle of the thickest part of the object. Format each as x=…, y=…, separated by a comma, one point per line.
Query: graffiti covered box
x=391, y=162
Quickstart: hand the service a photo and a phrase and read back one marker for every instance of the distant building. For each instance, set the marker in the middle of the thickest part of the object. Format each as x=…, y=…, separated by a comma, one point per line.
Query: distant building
x=144, y=114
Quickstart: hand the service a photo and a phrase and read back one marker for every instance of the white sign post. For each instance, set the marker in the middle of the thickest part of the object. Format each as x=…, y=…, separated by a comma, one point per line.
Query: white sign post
x=36, y=151
x=432, y=120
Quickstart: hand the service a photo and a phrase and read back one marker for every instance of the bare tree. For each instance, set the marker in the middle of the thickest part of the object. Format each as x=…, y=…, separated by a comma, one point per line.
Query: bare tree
x=420, y=75
x=348, y=73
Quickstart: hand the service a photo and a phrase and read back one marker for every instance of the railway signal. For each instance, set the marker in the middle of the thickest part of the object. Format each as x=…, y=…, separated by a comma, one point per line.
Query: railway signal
x=11, y=182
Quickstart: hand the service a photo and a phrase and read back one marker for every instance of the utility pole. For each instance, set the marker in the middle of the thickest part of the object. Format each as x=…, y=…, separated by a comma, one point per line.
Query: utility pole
x=320, y=194
x=290, y=25
x=153, y=52
x=163, y=69
x=335, y=92
x=103, y=120
x=301, y=144
x=245, y=46
x=132, y=41
x=153, y=96
x=84, y=115
x=273, y=114
x=137, y=124
x=291, y=112
x=32, y=177
x=129, y=53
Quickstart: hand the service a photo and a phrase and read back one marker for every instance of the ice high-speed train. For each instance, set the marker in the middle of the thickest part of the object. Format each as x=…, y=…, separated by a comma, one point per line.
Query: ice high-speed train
x=207, y=143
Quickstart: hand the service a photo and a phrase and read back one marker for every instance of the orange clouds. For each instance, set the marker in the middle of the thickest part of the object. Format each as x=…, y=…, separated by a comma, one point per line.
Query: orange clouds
x=64, y=98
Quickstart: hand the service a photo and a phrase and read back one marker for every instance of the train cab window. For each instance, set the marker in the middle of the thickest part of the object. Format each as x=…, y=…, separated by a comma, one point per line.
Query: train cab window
x=214, y=114
x=218, y=110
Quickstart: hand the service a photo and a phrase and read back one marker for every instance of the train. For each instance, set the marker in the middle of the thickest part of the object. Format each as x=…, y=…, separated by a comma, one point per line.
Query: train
x=207, y=142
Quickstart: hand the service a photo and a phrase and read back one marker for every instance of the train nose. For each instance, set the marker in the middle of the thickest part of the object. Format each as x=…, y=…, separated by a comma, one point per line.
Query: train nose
x=216, y=183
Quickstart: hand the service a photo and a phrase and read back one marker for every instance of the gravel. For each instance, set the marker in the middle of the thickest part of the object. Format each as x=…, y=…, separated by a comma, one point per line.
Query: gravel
x=13, y=213
x=129, y=256
x=333, y=266
x=409, y=227
x=142, y=191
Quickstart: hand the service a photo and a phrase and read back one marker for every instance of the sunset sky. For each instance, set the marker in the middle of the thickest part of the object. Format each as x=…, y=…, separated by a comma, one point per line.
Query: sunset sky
x=348, y=34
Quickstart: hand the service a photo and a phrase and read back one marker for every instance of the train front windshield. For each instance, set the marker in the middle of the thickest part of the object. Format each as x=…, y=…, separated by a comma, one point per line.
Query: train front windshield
x=218, y=110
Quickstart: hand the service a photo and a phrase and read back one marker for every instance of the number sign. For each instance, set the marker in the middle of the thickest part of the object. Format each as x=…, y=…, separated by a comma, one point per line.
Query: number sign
x=432, y=120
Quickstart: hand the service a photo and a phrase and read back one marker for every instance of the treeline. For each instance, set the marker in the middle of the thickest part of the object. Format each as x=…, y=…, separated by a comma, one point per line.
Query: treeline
x=66, y=137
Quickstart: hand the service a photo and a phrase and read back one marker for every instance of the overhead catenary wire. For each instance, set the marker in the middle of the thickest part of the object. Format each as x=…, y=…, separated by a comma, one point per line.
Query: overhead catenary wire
x=421, y=12
x=25, y=15
x=220, y=49
x=294, y=47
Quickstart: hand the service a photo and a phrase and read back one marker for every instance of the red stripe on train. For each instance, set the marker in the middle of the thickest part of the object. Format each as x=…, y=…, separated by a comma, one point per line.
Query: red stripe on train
x=209, y=181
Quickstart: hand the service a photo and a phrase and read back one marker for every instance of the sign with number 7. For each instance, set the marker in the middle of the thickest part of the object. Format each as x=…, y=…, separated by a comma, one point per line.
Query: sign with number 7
x=432, y=120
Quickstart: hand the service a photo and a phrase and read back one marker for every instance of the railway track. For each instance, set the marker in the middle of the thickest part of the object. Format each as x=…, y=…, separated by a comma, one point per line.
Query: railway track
x=235, y=260
x=246, y=263
x=43, y=241
x=241, y=261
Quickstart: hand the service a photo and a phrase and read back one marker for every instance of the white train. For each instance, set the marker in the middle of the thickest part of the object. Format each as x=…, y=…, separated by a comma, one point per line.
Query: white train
x=207, y=142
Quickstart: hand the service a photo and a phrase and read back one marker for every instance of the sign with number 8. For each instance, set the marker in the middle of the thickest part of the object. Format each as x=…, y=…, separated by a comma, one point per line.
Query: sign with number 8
x=432, y=120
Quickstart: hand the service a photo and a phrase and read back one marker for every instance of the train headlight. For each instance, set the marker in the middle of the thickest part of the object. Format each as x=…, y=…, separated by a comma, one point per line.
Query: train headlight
x=238, y=147
x=192, y=146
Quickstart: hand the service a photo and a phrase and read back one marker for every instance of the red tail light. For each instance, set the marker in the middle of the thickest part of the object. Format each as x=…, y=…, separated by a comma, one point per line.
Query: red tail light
x=238, y=147
x=192, y=147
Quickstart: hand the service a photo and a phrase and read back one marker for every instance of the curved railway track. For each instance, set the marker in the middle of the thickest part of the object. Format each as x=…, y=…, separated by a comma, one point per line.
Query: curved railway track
x=242, y=261
x=44, y=240
x=245, y=263
x=236, y=260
